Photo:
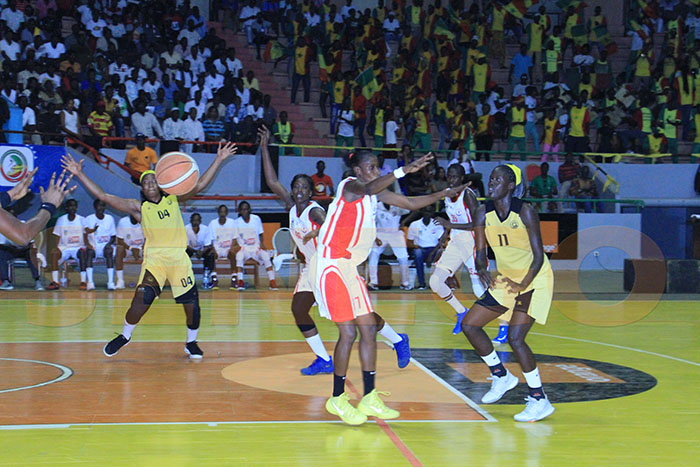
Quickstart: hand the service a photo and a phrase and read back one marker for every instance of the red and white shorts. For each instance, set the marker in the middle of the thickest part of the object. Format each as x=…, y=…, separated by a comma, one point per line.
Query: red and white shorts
x=304, y=283
x=339, y=290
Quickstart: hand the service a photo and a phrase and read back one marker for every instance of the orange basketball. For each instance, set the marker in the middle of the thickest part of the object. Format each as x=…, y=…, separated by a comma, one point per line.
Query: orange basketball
x=177, y=173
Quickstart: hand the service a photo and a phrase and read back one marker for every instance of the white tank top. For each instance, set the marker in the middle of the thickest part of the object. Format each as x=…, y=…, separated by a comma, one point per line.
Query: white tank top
x=71, y=121
x=300, y=225
x=458, y=212
x=349, y=230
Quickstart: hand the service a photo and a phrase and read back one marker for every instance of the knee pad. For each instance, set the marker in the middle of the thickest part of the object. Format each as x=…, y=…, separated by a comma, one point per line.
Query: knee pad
x=306, y=327
x=196, y=316
x=437, y=282
x=150, y=293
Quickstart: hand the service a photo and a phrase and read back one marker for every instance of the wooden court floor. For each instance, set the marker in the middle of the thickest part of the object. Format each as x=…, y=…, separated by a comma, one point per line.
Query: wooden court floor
x=622, y=373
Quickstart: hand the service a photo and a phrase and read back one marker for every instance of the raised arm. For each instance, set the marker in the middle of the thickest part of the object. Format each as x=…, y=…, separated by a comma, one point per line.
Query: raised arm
x=269, y=171
x=413, y=203
x=356, y=189
x=472, y=204
x=129, y=206
x=223, y=153
x=23, y=232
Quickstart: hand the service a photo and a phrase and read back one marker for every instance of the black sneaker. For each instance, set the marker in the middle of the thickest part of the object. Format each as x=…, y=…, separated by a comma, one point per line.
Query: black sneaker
x=193, y=350
x=115, y=344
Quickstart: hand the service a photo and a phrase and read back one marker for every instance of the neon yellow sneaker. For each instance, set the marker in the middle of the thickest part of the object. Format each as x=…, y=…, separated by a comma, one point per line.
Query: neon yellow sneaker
x=341, y=407
x=372, y=405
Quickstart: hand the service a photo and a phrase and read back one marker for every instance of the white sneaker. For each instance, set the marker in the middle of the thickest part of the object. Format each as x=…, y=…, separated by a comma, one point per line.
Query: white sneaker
x=499, y=386
x=536, y=409
x=6, y=285
x=38, y=285
x=90, y=286
x=120, y=285
x=110, y=285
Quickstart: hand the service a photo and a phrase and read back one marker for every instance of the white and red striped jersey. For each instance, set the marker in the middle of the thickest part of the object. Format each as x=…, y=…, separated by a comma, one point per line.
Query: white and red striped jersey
x=349, y=230
x=458, y=212
x=300, y=225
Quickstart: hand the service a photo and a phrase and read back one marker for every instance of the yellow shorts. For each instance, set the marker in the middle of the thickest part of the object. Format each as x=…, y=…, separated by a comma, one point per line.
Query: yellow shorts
x=535, y=300
x=171, y=265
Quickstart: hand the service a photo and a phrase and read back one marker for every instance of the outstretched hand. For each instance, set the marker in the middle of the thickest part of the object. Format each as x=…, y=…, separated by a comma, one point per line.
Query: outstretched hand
x=70, y=165
x=264, y=135
x=418, y=164
x=226, y=150
x=57, y=189
x=452, y=192
x=20, y=190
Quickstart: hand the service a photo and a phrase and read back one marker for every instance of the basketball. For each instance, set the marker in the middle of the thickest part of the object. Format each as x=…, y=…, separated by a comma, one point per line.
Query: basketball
x=177, y=173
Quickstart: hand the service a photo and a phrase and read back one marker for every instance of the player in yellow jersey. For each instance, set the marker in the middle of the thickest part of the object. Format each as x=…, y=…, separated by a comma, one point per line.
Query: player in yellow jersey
x=165, y=257
x=521, y=292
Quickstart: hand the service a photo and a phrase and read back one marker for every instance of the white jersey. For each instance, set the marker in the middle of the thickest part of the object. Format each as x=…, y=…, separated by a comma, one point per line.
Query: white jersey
x=458, y=212
x=248, y=233
x=200, y=239
x=106, y=229
x=131, y=234
x=70, y=233
x=350, y=229
x=389, y=218
x=222, y=235
x=300, y=225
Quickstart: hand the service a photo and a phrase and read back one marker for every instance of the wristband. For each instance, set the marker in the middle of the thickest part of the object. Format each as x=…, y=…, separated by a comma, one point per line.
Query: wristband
x=399, y=173
x=5, y=199
x=49, y=207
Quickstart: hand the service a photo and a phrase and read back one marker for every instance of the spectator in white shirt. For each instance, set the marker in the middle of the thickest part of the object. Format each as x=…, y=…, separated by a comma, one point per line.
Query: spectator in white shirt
x=391, y=129
x=185, y=77
x=213, y=81
x=170, y=56
x=144, y=122
x=192, y=130
x=52, y=50
x=584, y=58
x=346, y=129
x=389, y=234
x=9, y=48
x=391, y=27
x=242, y=92
x=196, y=60
x=96, y=25
x=71, y=243
x=233, y=64
x=152, y=85
x=423, y=236
x=172, y=126
x=345, y=10
x=12, y=16
x=190, y=34
x=9, y=92
x=247, y=16
x=102, y=235
x=119, y=68
x=28, y=119
x=205, y=93
x=223, y=231
x=85, y=13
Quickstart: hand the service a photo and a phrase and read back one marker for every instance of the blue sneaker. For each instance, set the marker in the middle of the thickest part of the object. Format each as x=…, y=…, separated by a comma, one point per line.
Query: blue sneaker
x=502, y=336
x=458, y=326
x=319, y=366
x=403, y=351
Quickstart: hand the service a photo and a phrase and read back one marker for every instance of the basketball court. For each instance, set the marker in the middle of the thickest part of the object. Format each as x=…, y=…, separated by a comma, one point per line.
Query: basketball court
x=621, y=371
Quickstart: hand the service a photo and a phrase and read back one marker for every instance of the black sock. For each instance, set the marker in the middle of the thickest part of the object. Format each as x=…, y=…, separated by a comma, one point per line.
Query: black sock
x=536, y=393
x=498, y=370
x=368, y=380
x=338, y=385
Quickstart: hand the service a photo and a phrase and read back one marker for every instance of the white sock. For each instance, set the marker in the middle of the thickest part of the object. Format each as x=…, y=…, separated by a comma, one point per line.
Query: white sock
x=192, y=334
x=373, y=274
x=454, y=303
x=120, y=275
x=83, y=275
x=110, y=275
x=491, y=359
x=388, y=332
x=437, y=284
x=271, y=274
x=533, y=378
x=89, y=274
x=54, y=276
x=128, y=329
x=317, y=347
x=403, y=268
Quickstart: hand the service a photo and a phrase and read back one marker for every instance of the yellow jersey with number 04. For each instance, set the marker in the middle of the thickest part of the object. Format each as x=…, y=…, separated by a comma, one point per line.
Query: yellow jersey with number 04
x=162, y=224
x=510, y=242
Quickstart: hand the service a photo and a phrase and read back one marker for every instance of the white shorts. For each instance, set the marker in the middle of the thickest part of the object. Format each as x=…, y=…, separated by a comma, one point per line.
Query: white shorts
x=395, y=240
x=257, y=254
x=222, y=252
x=304, y=283
x=339, y=290
x=100, y=250
x=68, y=253
x=460, y=251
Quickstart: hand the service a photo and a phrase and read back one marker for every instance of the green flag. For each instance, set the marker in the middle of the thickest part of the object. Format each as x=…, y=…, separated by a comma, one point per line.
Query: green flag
x=368, y=81
x=441, y=29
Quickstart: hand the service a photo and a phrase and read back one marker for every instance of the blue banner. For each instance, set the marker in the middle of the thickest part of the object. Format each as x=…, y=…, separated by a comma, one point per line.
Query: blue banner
x=17, y=160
